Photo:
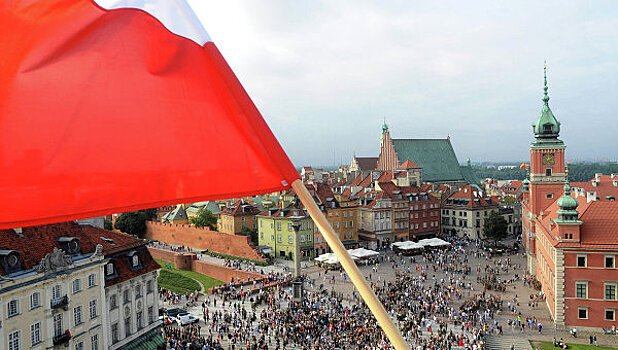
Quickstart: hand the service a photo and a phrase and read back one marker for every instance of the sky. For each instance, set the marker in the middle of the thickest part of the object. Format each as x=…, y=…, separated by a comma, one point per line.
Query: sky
x=326, y=74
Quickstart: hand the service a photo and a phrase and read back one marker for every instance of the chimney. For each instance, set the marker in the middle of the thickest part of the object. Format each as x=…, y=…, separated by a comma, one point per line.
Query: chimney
x=597, y=176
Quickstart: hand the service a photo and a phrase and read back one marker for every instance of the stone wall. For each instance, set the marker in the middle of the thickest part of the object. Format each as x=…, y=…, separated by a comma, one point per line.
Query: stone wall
x=201, y=239
x=188, y=261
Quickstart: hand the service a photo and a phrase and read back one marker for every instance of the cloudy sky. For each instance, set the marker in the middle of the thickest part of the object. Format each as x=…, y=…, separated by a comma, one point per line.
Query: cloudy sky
x=326, y=73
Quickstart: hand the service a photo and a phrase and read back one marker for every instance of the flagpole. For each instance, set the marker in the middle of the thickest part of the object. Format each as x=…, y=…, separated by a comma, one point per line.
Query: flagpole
x=372, y=301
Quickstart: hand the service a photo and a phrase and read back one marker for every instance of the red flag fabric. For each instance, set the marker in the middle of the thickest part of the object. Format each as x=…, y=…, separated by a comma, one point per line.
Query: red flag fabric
x=111, y=109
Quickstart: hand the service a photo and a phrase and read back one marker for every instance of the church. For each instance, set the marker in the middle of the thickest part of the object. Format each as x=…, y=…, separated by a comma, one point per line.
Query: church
x=571, y=240
x=430, y=160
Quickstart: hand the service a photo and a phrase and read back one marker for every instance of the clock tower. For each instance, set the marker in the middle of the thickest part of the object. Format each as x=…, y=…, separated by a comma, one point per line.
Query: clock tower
x=547, y=166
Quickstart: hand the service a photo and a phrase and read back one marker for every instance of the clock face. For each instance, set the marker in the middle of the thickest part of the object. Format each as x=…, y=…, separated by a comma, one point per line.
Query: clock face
x=548, y=159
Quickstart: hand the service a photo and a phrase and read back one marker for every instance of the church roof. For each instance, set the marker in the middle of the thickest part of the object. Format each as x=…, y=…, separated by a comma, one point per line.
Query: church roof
x=435, y=156
x=367, y=163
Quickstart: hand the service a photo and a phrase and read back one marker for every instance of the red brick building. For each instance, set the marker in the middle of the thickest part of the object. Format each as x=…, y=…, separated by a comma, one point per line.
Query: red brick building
x=571, y=241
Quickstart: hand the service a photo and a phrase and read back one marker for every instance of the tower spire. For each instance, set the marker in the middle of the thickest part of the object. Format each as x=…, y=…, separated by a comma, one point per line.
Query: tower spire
x=545, y=88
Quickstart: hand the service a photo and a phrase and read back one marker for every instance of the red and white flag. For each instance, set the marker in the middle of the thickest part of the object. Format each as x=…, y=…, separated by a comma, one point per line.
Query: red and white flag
x=115, y=105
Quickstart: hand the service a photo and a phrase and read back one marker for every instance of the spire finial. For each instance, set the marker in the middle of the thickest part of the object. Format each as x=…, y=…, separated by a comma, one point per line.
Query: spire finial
x=384, y=126
x=545, y=95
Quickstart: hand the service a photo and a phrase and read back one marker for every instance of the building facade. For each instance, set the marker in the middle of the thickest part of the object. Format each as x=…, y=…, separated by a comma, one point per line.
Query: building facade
x=238, y=217
x=276, y=230
x=570, y=239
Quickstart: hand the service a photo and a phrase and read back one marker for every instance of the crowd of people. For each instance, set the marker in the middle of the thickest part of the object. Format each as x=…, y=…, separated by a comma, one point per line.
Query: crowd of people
x=434, y=297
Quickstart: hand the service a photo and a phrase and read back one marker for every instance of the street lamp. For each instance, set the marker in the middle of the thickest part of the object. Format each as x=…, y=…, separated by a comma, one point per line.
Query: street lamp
x=297, y=281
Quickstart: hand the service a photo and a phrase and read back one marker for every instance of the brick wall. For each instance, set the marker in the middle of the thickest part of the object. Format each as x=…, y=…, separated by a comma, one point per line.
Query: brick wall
x=188, y=261
x=201, y=239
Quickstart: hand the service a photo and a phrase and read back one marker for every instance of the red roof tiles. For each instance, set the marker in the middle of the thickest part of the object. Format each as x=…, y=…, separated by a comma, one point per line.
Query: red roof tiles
x=37, y=241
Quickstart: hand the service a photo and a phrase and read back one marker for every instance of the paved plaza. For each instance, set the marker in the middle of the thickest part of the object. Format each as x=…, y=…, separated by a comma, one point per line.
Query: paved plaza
x=520, y=302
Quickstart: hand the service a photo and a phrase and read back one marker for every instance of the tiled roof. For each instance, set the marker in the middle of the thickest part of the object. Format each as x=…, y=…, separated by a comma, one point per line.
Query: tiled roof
x=386, y=176
x=121, y=264
x=435, y=156
x=600, y=223
x=176, y=214
x=604, y=187
x=240, y=208
x=472, y=197
x=37, y=241
x=408, y=164
x=367, y=163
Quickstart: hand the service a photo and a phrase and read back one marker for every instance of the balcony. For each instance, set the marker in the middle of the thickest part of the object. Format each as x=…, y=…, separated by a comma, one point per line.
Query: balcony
x=62, y=338
x=62, y=302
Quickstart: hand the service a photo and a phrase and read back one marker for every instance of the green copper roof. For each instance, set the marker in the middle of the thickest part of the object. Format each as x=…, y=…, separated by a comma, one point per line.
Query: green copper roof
x=435, y=156
x=469, y=175
x=546, y=128
x=566, y=202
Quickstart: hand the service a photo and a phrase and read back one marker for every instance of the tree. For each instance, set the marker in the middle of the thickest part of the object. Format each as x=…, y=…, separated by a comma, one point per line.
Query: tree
x=107, y=224
x=509, y=200
x=134, y=222
x=245, y=231
x=495, y=226
x=204, y=218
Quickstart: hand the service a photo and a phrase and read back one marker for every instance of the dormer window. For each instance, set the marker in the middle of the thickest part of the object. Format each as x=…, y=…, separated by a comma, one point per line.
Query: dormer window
x=110, y=270
x=70, y=245
x=547, y=127
x=10, y=260
x=135, y=262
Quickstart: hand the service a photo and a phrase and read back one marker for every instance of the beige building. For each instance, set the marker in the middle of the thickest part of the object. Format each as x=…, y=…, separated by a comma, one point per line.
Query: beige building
x=51, y=297
x=55, y=283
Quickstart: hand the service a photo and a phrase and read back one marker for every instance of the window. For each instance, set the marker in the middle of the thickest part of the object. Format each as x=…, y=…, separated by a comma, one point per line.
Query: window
x=35, y=300
x=138, y=291
x=548, y=172
x=58, y=331
x=309, y=238
x=77, y=315
x=610, y=291
x=610, y=262
x=302, y=238
x=289, y=227
x=150, y=315
x=351, y=223
x=56, y=291
x=581, y=290
x=12, y=308
x=79, y=346
x=94, y=342
x=138, y=319
x=114, y=333
x=279, y=238
x=290, y=239
x=549, y=195
x=35, y=333
x=582, y=313
x=92, y=305
x=113, y=303
x=581, y=261
x=126, y=296
x=610, y=315
x=127, y=326
x=278, y=226
x=92, y=280
x=77, y=285
x=149, y=287
x=135, y=260
x=14, y=341
x=109, y=269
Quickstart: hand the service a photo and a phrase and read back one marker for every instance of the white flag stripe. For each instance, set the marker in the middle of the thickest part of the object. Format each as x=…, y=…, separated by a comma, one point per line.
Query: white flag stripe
x=176, y=15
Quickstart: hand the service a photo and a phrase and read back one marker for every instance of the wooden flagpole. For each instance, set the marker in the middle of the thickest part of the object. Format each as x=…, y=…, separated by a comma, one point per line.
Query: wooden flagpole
x=392, y=332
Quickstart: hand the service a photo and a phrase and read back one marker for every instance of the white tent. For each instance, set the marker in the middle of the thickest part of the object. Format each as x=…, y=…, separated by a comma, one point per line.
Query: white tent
x=433, y=243
x=362, y=253
x=409, y=245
